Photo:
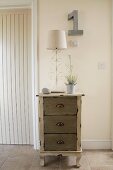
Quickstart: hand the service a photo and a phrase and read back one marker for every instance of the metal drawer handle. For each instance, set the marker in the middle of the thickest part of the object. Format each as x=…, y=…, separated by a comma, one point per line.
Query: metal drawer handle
x=60, y=124
x=60, y=142
x=60, y=105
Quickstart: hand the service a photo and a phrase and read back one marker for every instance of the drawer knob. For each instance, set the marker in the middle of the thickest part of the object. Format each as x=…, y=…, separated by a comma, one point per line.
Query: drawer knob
x=60, y=142
x=60, y=105
x=60, y=124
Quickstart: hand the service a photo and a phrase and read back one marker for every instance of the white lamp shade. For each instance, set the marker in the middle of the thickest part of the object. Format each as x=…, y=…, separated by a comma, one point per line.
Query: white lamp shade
x=56, y=40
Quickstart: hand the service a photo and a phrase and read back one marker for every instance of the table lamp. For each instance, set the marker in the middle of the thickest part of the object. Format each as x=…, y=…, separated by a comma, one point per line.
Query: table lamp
x=56, y=42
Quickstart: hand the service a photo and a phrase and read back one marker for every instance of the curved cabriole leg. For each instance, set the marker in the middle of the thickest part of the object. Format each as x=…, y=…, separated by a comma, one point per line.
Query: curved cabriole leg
x=42, y=160
x=78, y=157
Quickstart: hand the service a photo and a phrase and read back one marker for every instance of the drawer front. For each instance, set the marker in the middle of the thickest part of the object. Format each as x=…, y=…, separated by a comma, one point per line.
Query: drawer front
x=60, y=124
x=60, y=142
x=60, y=105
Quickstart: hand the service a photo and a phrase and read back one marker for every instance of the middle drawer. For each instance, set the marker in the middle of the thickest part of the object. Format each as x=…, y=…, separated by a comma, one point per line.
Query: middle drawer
x=60, y=124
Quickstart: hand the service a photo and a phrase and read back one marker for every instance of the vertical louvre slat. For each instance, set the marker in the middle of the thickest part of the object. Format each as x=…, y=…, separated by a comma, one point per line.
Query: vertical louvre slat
x=16, y=125
x=2, y=89
x=8, y=75
x=22, y=76
x=13, y=79
x=1, y=86
x=27, y=42
x=9, y=64
x=21, y=137
x=11, y=74
x=26, y=82
x=5, y=80
x=15, y=70
x=17, y=78
x=29, y=80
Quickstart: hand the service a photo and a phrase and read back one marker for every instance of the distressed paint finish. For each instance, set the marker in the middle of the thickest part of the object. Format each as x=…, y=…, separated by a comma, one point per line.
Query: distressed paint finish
x=60, y=124
x=65, y=142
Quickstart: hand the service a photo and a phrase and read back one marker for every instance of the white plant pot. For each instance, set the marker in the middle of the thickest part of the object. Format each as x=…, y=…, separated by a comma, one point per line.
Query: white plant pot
x=70, y=88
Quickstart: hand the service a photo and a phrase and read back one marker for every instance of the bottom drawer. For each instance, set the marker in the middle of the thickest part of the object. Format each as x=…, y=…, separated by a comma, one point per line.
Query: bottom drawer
x=60, y=142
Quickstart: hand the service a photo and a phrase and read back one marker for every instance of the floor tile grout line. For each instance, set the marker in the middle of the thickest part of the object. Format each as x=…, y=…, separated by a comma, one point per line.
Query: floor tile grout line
x=3, y=163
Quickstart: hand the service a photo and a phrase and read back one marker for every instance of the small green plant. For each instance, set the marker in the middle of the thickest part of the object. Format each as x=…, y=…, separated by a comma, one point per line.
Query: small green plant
x=70, y=78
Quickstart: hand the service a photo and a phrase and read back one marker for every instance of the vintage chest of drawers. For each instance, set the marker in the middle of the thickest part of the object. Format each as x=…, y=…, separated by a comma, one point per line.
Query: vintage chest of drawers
x=60, y=125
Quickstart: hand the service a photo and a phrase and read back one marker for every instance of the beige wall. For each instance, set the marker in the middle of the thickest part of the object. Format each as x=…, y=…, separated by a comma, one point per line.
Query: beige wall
x=94, y=48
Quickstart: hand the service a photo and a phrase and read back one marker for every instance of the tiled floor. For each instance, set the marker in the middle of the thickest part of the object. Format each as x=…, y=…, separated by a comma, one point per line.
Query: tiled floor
x=26, y=158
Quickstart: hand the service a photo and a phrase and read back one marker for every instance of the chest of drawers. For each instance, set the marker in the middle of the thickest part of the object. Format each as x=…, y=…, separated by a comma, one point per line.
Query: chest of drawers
x=60, y=125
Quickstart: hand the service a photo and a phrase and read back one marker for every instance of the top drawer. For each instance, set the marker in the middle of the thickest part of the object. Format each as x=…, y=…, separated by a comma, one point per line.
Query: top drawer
x=60, y=105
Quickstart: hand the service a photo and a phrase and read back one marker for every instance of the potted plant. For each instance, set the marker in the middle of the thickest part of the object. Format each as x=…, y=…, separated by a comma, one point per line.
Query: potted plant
x=71, y=80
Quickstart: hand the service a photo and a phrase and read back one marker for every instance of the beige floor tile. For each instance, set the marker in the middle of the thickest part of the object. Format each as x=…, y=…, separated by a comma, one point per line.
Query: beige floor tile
x=102, y=168
x=43, y=168
x=70, y=163
x=35, y=162
x=22, y=157
x=52, y=161
x=1, y=163
x=99, y=158
x=21, y=163
x=3, y=158
x=8, y=166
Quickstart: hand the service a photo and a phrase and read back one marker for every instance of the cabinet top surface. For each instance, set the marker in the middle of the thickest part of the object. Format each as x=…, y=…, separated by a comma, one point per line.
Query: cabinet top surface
x=60, y=94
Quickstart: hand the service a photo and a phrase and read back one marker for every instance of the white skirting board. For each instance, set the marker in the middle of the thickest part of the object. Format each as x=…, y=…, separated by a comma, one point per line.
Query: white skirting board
x=92, y=144
x=96, y=144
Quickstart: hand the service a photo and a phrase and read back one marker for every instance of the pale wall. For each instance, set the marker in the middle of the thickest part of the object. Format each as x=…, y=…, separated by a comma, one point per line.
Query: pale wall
x=94, y=47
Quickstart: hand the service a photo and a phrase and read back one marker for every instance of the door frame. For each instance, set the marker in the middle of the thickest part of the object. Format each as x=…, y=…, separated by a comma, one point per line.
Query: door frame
x=33, y=4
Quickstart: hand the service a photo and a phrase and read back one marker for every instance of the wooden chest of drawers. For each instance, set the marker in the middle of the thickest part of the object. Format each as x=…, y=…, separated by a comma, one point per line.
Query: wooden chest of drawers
x=60, y=125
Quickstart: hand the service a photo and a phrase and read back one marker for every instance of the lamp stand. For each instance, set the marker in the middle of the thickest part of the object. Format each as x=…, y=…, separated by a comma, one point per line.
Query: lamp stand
x=56, y=75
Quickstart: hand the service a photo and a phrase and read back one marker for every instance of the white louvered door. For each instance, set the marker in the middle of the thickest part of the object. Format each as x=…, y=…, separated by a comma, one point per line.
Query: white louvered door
x=16, y=123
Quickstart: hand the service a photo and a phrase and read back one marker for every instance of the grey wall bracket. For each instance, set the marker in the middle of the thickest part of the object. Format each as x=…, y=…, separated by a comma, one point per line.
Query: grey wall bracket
x=74, y=16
